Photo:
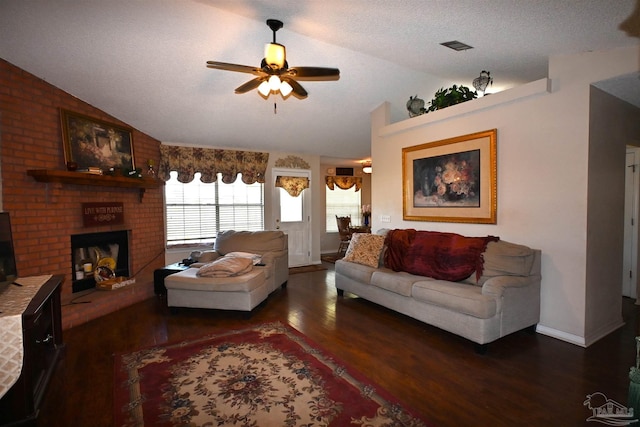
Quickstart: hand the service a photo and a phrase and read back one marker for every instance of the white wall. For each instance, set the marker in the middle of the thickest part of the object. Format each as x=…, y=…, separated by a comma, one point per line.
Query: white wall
x=543, y=143
x=613, y=125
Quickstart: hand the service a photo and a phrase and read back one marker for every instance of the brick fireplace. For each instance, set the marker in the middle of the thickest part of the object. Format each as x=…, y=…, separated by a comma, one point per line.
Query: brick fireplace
x=45, y=215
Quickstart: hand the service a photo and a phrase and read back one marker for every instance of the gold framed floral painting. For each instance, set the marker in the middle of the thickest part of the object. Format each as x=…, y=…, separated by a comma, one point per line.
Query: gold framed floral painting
x=451, y=180
x=89, y=142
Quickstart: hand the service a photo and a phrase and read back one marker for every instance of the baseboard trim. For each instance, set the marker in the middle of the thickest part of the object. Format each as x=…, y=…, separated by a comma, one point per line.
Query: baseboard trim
x=577, y=340
x=603, y=332
x=563, y=336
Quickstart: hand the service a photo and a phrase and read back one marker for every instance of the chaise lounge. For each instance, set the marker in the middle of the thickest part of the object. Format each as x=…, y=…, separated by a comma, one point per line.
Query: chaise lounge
x=244, y=268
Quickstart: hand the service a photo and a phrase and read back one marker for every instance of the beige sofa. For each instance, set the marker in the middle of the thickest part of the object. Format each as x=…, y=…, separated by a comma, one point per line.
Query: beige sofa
x=505, y=299
x=237, y=291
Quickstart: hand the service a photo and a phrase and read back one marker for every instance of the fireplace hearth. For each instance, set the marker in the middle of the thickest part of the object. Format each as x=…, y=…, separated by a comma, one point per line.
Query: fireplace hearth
x=92, y=249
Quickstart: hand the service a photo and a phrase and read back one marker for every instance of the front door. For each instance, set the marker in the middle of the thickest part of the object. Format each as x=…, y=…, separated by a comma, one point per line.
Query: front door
x=292, y=216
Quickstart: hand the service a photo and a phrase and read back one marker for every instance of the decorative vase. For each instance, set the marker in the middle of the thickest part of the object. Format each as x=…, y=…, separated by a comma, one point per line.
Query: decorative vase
x=415, y=106
x=366, y=220
x=150, y=170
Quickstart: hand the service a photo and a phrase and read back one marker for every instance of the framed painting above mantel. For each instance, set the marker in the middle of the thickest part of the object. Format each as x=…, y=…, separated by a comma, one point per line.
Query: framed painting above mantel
x=93, y=143
x=451, y=180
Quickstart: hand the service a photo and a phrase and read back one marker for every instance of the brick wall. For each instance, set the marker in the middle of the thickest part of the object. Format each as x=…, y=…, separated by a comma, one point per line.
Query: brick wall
x=44, y=216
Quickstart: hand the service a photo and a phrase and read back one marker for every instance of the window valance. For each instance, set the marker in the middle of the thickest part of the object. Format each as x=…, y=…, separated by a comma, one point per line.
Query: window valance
x=294, y=185
x=343, y=182
x=209, y=162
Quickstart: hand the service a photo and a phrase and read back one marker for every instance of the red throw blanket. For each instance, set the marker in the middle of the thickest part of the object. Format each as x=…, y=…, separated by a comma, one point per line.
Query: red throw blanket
x=444, y=256
x=397, y=243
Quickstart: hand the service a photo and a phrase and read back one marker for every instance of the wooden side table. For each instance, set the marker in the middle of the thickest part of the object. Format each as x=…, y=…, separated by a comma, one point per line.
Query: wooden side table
x=161, y=273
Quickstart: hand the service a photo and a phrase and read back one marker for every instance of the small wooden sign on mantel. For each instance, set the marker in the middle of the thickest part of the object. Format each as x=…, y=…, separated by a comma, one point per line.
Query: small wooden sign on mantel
x=102, y=213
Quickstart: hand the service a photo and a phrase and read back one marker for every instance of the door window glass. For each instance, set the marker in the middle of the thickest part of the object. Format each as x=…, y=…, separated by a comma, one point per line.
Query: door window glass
x=290, y=207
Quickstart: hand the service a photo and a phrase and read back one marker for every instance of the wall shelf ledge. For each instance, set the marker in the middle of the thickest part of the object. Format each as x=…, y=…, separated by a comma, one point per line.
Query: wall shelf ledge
x=81, y=178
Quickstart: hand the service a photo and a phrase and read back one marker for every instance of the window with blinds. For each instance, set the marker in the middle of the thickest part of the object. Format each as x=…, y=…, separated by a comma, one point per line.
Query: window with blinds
x=342, y=203
x=197, y=211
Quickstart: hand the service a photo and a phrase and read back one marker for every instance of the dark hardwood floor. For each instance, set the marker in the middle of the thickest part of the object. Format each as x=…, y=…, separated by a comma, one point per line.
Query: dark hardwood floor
x=524, y=379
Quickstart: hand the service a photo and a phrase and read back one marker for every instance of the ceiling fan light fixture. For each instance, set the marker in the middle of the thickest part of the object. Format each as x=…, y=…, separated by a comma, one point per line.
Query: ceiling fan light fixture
x=264, y=88
x=275, y=55
x=285, y=88
x=274, y=74
x=274, y=83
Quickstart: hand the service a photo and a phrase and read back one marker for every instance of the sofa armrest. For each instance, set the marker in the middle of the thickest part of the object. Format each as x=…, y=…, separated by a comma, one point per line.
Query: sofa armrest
x=271, y=256
x=498, y=285
x=278, y=263
x=518, y=300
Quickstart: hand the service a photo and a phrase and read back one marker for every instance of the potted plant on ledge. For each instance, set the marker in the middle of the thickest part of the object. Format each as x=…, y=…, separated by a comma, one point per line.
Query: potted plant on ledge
x=443, y=98
x=454, y=95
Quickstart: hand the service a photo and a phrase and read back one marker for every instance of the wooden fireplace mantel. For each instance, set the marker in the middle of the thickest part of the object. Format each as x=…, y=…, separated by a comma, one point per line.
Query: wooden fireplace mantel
x=80, y=178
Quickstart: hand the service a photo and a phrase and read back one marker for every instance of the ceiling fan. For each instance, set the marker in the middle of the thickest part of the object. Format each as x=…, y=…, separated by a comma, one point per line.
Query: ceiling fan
x=274, y=74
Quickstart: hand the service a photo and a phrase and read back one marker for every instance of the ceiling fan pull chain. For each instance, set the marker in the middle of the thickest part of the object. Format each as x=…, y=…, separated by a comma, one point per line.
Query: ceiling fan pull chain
x=275, y=108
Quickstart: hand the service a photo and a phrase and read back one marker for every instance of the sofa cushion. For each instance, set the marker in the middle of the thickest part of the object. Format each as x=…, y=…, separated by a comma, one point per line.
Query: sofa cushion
x=189, y=280
x=510, y=259
x=459, y=297
x=226, y=267
x=504, y=259
x=358, y=272
x=365, y=249
x=396, y=282
x=258, y=242
x=445, y=256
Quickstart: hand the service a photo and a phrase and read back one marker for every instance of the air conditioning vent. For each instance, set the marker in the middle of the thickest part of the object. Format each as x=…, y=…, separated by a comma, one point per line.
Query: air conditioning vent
x=344, y=171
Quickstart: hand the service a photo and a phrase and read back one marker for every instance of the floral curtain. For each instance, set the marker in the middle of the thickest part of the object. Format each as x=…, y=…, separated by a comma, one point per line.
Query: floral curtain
x=343, y=182
x=209, y=162
x=294, y=185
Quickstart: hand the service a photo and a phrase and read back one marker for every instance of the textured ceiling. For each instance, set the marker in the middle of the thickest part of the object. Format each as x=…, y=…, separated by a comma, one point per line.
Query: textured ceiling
x=144, y=61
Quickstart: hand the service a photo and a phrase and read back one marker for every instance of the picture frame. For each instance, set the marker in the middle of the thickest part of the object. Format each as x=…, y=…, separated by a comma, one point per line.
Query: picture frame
x=91, y=143
x=451, y=180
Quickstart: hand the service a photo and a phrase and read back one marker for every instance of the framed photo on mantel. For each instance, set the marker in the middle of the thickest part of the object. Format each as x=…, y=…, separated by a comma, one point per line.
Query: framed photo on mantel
x=452, y=180
x=93, y=143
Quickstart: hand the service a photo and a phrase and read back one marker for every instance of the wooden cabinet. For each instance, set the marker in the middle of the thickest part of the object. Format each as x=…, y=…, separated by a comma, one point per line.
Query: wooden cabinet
x=42, y=338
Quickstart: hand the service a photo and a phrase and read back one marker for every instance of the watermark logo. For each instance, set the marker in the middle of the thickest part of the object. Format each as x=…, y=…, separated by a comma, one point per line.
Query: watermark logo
x=607, y=411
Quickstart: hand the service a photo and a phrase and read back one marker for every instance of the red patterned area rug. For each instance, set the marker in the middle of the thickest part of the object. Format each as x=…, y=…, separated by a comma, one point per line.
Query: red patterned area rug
x=265, y=375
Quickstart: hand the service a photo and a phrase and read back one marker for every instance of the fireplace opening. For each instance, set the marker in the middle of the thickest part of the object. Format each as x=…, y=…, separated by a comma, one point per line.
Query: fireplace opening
x=88, y=251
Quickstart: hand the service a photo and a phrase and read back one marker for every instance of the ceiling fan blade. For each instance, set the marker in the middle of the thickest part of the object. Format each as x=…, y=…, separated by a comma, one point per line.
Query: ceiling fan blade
x=250, y=85
x=314, y=73
x=298, y=90
x=235, y=67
